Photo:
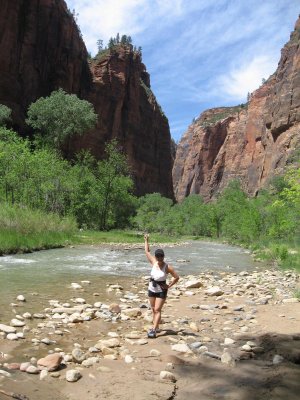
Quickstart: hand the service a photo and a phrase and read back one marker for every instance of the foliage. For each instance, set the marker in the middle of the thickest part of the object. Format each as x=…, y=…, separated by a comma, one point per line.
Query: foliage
x=103, y=198
x=59, y=116
x=114, y=43
x=5, y=115
x=98, y=194
x=22, y=229
x=223, y=113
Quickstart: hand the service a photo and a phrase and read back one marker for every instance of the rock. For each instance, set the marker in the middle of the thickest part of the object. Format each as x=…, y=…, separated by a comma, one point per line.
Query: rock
x=246, y=347
x=50, y=362
x=227, y=359
x=13, y=366
x=258, y=350
x=110, y=343
x=193, y=284
x=20, y=297
x=12, y=336
x=238, y=308
x=89, y=362
x=32, y=369
x=39, y=316
x=113, y=334
x=43, y=374
x=7, y=328
x=116, y=287
x=128, y=359
x=78, y=355
x=169, y=367
x=291, y=300
x=27, y=315
x=194, y=327
x=73, y=375
x=141, y=342
x=270, y=110
x=132, y=312
x=17, y=323
x=214, y=291
x=277, y=359
x=133, y=335
x=76, y=286
x=167, y=376
x=228, y=341
x=80, y=300
x=181, y=348
x=102, y=368
x=5, y=373
x=47, y=341
x=155, y=353
x=24, y=366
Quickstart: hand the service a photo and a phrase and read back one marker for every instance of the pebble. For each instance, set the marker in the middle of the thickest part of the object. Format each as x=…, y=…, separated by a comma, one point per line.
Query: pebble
x=277, y=359
x=128, y=359
x=181, y=348
x=17, y=323
x=155, y=353
x=43, y=374
x=78, y=355
x=73, y=375
x=228, y=341
x=5, y=373
x=7, y=328
x=167, y=376
x=12, y=336
x=20, y=297
x=76, y=286
x=227, y=358
x=32, y=369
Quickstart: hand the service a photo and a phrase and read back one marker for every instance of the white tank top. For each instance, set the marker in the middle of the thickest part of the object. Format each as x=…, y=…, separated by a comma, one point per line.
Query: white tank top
x=159, y=275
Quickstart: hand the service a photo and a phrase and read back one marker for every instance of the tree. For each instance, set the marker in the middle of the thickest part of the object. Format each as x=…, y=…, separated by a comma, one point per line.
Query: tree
x=100, y=45
x=5, y=115
x=114, y=186
x=152, y=211
x=60, y=116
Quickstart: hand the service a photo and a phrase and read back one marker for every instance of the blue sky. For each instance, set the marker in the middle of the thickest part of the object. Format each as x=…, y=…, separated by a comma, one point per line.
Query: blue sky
x=200, y=53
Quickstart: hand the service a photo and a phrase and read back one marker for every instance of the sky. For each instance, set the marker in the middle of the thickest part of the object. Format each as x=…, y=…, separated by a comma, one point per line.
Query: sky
x=200, y=54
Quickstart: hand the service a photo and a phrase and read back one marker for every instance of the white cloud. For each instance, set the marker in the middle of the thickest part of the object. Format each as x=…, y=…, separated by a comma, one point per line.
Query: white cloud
x=244, y=78
x=102, y=19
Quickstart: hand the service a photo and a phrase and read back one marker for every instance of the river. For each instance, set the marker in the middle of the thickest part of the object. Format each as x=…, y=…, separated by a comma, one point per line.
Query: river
x=45, y=275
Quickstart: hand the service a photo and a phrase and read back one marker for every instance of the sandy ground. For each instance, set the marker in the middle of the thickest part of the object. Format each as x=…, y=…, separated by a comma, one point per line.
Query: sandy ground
x=276, y=328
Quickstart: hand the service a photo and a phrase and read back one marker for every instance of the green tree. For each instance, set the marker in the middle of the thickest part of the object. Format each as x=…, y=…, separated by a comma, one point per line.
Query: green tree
x=115, y=186
x=59, y=116
x=152, y=211
x=5, y=115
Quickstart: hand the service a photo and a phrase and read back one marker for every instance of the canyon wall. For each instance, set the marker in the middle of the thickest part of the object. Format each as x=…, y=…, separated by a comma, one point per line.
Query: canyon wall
x=41, y=50
x=251, y=142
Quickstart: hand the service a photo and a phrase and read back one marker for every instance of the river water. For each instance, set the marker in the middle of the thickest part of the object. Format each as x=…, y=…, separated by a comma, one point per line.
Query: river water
x=46, y=275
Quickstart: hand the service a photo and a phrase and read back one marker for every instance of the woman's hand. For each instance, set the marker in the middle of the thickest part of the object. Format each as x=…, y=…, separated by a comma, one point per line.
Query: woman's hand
x=146, y=237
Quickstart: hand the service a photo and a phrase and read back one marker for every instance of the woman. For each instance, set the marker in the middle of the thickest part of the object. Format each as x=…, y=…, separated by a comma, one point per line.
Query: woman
x=158, y=287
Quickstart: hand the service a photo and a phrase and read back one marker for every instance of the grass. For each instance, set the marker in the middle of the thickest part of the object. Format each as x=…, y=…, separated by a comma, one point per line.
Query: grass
x=285, y=255
x=120, y=236
x=25, y=230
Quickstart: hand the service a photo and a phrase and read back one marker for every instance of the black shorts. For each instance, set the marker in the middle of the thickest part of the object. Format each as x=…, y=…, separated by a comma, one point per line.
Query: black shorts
x=160, y=295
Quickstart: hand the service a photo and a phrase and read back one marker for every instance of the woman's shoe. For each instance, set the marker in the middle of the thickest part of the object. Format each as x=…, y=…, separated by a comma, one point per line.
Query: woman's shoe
x=152, y=334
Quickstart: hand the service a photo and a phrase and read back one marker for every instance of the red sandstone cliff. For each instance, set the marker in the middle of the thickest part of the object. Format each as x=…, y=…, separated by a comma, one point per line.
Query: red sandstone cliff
x=41, y=50
x=252, y=143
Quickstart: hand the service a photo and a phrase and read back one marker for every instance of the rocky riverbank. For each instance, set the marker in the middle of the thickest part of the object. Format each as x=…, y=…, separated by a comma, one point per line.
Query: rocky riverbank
x=223, y=336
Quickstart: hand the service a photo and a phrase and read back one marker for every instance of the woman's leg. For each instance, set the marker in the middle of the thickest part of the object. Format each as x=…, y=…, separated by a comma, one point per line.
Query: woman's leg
x=158, y=304
x=152, y=305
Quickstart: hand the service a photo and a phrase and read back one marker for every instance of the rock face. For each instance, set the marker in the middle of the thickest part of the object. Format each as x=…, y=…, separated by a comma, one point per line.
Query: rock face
x=41, y=49
x=250, y=143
